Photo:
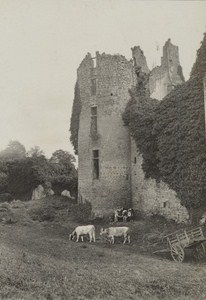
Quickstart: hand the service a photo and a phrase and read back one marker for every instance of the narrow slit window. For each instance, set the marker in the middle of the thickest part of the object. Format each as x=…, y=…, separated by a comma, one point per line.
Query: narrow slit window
x=135, y=160
x=94, y=62
x=93, y=119
x=95, y=164
x=93, y=86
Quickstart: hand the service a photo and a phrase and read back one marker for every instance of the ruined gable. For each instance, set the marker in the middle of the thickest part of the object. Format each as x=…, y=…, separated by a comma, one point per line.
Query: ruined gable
x=165, y=77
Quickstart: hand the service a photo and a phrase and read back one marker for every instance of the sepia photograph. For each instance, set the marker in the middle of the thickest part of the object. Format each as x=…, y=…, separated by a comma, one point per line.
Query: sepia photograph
x=102, y=150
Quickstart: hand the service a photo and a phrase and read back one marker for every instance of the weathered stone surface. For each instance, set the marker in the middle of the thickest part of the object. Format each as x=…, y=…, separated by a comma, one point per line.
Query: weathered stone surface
x=139, y=59
x=114, y=76
x=66, y=193
x=38, y=193
x=151, y=197
x=163, y=78
x=49, y=192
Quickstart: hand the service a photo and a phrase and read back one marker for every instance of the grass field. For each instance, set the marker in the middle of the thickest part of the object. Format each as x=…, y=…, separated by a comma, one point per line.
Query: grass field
x=37, y=261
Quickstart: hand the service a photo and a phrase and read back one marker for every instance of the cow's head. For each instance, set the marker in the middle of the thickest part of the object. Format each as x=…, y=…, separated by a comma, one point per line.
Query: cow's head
x=103, y=231
x=71, y=236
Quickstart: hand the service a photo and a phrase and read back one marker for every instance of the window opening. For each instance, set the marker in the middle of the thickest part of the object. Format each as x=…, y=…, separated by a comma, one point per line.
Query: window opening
x=93, y=86
x=95, y=164
x=94, y=62
x=94, y=119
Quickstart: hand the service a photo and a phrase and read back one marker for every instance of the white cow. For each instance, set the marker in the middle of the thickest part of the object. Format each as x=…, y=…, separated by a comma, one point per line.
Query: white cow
x=111, y=232
x=203, y=219
x=83, y=230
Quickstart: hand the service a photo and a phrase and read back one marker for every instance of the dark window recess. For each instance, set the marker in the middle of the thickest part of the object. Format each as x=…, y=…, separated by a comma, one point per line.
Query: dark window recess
x=164, y=204
x=93, y=110
x=95, y=164
x=94, y=120
x=93, y=86
x=95, y=153
x=135, y=160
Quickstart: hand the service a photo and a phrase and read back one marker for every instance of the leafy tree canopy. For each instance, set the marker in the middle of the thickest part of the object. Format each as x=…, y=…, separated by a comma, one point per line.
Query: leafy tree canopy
x=21, y=173
x=35, y=152
x=14, y=150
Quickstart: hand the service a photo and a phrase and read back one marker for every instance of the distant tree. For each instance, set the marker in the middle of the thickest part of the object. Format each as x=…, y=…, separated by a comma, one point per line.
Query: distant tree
x=3, y=182
x=64, y=173
x=21, y=178
x=14, y=150
x=62, y=157
x=41, y=167
x=20, y=173
x=35, y=152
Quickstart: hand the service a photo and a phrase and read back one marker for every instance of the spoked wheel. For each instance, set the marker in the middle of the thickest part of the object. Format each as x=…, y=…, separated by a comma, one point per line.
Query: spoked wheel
x=199, y=251
x=177, y=253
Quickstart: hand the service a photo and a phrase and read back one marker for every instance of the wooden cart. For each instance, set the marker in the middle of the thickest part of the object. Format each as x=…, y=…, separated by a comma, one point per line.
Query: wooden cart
x=185, y=239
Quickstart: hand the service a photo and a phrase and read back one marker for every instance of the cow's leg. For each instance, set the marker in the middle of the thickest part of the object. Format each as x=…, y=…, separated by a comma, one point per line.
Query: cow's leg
x=82, y=238
x=90, y=237
x=128, y=238
x=93, y=237
x=77, y=237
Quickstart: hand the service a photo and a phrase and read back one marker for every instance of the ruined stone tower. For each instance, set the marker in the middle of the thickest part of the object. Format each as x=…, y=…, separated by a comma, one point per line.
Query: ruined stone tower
x=110, y=173
x=163, y=78
x=103, y=140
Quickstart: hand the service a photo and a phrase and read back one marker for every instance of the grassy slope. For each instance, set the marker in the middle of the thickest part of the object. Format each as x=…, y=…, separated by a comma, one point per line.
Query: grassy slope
x=39, y=262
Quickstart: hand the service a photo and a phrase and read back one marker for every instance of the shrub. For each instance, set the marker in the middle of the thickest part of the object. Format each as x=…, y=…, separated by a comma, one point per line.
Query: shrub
x=82, y=212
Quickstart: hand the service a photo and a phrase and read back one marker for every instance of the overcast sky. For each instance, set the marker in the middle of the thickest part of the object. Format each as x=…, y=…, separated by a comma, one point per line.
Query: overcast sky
x=42, y=43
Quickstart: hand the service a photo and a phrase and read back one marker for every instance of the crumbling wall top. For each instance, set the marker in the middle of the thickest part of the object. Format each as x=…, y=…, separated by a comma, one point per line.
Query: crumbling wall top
x=139, y=59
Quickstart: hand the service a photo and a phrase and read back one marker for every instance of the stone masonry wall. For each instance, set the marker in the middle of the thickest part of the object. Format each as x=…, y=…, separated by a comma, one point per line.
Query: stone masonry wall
x=121, y=178
x=151, y=197
x=114, y=76
x=148, y=196
x=163, y=78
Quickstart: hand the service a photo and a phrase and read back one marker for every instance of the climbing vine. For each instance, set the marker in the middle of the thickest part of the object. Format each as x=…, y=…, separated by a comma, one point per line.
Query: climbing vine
x=74, y=122
x=171, y=135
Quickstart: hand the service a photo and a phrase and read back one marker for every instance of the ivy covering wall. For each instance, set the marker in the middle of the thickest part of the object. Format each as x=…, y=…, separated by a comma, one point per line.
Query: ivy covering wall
x=74, y=122
x=171, y=135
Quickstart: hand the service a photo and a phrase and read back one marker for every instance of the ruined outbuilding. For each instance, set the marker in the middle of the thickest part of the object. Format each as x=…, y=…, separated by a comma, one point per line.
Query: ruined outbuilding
x=110, y=172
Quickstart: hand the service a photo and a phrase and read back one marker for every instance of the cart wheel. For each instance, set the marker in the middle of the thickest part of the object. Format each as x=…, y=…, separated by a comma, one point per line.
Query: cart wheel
x=177, y=253
x=199, y=251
